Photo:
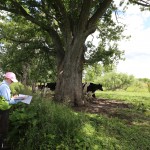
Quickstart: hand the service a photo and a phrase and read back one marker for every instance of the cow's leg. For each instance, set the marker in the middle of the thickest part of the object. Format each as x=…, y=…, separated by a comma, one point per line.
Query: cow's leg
x=93, y=95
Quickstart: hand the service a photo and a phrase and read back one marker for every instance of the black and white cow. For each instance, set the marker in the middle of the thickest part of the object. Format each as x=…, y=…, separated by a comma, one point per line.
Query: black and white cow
x=51, y=86
x=87, y=87
x=92, y=87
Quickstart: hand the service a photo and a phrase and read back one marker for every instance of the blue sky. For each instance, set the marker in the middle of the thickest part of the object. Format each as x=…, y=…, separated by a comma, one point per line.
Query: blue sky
x=147, y=23
x=137, y=48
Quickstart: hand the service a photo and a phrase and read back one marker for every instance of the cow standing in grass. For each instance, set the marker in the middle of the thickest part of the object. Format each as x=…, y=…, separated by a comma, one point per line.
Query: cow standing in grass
x=91, y=87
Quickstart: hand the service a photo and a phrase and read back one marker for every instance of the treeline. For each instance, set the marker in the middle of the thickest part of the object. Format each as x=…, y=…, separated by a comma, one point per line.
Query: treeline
x=112, y=80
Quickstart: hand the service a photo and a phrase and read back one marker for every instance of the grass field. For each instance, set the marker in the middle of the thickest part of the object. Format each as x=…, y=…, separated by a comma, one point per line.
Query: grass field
x=136, y=98
x=45, y=125
x=135, y=120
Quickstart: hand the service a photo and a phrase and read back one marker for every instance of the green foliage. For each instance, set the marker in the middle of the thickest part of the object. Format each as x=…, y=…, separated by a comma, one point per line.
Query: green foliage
x=18, y=88
x=26, y=45
x=93, y=73
x=146, y=81
x=45, y=125
x=37, y=40
x=110, y=79
x=114, y=81
x=137, y=86
x=4, y=105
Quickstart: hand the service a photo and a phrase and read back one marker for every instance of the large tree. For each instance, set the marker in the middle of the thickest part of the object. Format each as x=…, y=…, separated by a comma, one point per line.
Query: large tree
x=68, y=23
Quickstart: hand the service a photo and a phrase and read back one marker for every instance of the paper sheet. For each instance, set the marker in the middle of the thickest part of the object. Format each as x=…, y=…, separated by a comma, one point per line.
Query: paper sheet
x=27, y=99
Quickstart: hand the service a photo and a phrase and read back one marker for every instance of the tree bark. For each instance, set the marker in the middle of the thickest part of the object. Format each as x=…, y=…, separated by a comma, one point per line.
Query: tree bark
x=69, y=83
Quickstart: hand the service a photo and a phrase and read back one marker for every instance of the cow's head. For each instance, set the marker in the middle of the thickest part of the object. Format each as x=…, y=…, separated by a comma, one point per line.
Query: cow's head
x=99, y=86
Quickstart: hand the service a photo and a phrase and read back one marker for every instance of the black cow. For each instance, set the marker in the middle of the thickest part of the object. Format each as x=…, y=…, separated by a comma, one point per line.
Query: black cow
x=51, y=85
x=91, y=87
x=41, y=87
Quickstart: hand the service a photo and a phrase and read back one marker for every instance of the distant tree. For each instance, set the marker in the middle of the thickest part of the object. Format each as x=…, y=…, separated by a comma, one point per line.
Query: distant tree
x=114, y=81
x=93, y=73
x=145, y=80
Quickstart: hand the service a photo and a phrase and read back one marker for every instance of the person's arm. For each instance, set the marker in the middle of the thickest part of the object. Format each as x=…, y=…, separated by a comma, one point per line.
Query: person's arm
x=5, y=92
x=14, y=101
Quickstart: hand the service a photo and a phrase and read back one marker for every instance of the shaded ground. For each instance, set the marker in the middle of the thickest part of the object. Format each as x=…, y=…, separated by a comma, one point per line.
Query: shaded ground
x=128, y=112
x=104, y=106
x=111, y=108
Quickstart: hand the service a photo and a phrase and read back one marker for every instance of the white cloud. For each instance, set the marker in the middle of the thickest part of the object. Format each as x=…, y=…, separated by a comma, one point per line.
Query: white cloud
x=134, y=66
x=137, y=49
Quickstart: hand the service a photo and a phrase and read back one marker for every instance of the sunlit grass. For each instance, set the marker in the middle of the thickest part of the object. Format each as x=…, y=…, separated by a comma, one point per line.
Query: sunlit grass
x=45, y=125
x=130, y=97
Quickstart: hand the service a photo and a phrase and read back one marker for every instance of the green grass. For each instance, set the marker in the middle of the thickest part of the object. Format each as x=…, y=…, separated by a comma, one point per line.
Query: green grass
x=128, y=97
x=44, y=125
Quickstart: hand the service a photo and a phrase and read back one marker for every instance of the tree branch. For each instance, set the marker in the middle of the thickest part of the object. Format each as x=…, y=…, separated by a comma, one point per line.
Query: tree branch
x=141, y=2
x=84, y=14
x=99, y=12
x=62, y=18
x=19, y=10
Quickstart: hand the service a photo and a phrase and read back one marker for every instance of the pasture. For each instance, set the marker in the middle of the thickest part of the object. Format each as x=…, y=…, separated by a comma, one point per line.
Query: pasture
x=115, y=121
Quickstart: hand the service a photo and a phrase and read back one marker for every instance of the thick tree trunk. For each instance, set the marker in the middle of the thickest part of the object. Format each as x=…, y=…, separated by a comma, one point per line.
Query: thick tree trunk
x=69, y=83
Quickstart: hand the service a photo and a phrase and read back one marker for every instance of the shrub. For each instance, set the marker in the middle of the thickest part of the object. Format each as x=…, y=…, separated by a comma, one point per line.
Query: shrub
x=18, y=88
x=43, y=125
